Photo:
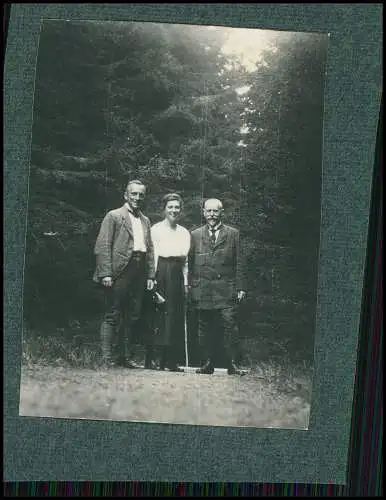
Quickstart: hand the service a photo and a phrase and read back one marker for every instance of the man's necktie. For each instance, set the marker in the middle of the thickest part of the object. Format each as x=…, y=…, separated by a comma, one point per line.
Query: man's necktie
x=212, y=236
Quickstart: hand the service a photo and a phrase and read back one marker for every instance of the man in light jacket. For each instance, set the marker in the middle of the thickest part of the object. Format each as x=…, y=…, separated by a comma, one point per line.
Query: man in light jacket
x=125, y=269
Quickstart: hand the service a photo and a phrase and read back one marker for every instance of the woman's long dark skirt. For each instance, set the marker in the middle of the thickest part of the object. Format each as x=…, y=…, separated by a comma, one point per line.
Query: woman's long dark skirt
x=169, y=321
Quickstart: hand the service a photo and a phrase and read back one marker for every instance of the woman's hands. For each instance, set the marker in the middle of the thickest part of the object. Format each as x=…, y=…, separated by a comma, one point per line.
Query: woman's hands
x=150, y=285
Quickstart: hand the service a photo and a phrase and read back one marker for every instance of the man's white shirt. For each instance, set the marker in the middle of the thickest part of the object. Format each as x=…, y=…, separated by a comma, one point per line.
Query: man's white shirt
x=216, y=231
x=139, y=237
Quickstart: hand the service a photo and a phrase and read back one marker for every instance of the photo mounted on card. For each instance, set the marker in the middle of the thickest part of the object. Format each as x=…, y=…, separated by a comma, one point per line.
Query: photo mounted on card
x=173, y=224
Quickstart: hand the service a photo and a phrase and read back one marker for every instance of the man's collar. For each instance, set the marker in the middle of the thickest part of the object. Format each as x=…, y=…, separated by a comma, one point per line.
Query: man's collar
x=135, y=214
x=216, y=227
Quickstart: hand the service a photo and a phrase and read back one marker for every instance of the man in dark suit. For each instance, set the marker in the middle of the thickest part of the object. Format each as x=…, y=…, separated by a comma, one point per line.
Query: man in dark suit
x=125, y=269
x=216, y=284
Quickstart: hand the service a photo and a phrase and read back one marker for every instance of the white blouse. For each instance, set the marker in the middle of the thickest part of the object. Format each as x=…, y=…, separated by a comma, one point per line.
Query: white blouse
x=169, y=242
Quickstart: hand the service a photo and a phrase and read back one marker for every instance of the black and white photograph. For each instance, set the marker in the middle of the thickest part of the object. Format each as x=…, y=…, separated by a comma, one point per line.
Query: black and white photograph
x=172, y=237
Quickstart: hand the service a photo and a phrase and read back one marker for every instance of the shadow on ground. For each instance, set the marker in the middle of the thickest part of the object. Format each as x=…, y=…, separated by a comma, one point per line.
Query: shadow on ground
x=165, y=397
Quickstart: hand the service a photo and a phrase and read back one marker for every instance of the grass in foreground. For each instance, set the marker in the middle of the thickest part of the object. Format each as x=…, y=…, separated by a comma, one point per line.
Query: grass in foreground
x=164, y=397
x=71, y=384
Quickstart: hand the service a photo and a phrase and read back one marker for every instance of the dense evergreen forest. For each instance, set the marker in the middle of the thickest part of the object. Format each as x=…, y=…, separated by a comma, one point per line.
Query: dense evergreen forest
x=165, y=104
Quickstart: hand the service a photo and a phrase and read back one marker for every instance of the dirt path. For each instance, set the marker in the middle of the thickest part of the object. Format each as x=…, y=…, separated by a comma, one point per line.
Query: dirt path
x=142, y=395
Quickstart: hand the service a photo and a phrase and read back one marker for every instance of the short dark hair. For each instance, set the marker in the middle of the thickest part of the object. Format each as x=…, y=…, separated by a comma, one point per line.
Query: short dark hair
x=135, y=181
x=171, y=197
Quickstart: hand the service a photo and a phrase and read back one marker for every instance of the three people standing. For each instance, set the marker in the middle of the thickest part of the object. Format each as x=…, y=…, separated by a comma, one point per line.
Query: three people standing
x=203, y=266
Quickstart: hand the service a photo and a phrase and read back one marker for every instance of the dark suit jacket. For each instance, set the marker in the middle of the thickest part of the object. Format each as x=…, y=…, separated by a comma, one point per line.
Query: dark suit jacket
x=114, y=245
x=215, y=271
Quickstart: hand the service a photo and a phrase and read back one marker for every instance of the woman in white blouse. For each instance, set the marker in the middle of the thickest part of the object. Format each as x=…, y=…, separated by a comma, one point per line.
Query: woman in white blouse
x=171, y=246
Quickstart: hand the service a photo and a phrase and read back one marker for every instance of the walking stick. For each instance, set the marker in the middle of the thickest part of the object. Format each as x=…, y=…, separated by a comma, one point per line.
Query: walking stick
x=186, y=338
